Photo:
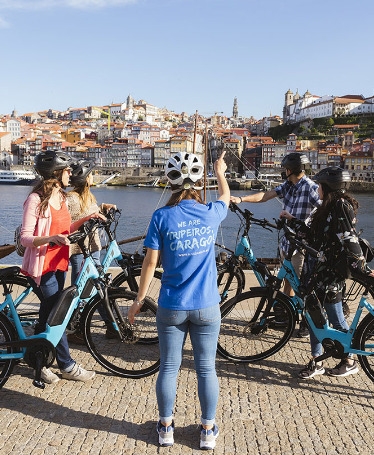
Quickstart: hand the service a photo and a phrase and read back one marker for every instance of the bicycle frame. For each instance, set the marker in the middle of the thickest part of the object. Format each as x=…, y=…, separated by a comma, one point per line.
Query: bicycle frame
x=90, y=281
x=329, y=336
x=335, y=342
x=243, y=248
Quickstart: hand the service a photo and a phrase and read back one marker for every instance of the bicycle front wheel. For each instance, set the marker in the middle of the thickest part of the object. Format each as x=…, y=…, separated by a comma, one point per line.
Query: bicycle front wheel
x=230, y=282
x=246, y=335
x=7, y=333
x=364, y=340
x=134, y=355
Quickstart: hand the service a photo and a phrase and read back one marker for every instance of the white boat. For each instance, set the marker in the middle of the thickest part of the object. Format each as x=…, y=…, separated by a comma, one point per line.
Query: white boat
x=152, y=184
x=17, y=177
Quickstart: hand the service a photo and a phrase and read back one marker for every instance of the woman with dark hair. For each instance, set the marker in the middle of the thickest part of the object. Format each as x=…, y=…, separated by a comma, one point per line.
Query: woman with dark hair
x=46, y=224
x=182, y=235
x=331, y=229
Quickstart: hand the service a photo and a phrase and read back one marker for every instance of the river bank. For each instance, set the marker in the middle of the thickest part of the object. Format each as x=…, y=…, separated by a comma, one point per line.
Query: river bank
x=234, y=184
x=144, y=176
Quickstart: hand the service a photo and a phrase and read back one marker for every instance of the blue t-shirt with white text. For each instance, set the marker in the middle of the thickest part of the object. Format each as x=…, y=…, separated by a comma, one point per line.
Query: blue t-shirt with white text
x=185, y=234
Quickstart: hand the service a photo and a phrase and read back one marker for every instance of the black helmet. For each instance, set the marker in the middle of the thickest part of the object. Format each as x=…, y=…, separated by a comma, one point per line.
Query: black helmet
x=295, y=162
x=80, y=170
x=334, y=177
x=46, y=163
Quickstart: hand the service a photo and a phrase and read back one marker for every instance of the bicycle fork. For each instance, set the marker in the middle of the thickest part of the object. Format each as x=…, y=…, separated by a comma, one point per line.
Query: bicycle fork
x=125, y=331
x=269, y=300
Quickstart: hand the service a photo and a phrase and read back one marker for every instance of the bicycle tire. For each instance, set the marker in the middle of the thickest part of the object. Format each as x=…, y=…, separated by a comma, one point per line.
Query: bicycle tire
x=7, y=333
x=363, y=338
x=27, y=307
x=131, y=280
x=230, y=282
x=137, y=356
x=241, y=316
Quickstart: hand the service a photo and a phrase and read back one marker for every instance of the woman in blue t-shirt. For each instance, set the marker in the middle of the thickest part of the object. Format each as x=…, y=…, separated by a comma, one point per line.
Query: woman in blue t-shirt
x=181, y=236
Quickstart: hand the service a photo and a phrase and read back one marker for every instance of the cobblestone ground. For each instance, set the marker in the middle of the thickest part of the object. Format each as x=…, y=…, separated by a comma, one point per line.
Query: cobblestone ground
x=263, y=409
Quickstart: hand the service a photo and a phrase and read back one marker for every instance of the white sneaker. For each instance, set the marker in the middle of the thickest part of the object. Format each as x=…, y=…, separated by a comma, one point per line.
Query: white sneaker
x=165, y=434
x=48, y=376
x=78, y=374
x=208, y=437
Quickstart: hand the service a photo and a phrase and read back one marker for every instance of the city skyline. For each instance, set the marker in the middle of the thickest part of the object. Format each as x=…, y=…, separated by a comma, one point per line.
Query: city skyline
x=185, y=55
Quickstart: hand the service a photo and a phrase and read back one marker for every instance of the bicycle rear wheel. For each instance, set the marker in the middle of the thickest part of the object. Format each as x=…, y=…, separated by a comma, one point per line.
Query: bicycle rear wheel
x=24, y=298
x=137, y=355
x=245, y=335
x=7, y=333
x=364, y=340
x=131, y=279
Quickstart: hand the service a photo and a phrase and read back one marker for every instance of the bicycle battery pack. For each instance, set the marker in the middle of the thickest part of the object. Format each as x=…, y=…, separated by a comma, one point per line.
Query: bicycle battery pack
x=58, y=313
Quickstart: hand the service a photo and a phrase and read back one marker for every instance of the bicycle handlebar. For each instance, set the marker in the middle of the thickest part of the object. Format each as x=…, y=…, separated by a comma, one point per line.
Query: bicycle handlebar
x=92, y=224
x=249, y=218
x=299, y=243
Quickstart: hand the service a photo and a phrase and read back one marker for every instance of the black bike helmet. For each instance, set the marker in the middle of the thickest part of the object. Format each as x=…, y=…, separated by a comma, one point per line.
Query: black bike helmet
x=334, y=177
x=46, y=163
x=296, y=162
x=80, y=170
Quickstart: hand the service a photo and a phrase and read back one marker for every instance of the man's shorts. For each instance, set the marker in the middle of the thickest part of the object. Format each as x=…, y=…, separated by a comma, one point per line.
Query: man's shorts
x=297, y=260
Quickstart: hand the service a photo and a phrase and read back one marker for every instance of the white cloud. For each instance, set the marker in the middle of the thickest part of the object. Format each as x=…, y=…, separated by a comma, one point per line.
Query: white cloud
x=49, y=4
x=97, y=3
x=19, y=5
x=3, y=23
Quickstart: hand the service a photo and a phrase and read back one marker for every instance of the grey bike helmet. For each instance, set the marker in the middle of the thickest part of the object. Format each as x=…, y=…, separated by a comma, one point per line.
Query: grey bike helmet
x=334, y=177
x=296, y=162
x=184, y=170
x=80, y=170
x=46, y=163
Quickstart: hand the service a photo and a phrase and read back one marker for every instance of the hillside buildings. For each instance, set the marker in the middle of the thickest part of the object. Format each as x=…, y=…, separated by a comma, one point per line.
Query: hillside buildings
x=134, y=135
x=299, y=108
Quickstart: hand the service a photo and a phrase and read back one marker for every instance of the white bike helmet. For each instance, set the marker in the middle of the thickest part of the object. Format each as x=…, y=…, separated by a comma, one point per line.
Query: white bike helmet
x=183, y=171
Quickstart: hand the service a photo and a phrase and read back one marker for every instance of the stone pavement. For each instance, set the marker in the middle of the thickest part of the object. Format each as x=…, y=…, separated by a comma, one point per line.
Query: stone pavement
x=263, y=409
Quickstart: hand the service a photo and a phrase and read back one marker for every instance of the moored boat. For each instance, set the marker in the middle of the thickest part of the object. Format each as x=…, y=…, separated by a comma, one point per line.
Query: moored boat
x=17, y=177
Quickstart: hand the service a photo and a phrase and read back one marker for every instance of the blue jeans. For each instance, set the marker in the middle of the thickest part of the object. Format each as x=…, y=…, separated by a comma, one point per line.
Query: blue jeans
x=203, y=327
x=48, y=292
x=76, y=261
x=336, y=318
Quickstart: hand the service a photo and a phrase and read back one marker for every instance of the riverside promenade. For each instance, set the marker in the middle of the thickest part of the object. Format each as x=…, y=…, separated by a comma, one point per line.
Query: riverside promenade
x=263, y=409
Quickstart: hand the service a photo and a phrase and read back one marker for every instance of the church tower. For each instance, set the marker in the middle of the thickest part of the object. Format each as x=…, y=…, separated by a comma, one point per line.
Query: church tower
x=235, y=108
x=130, y=102
x=288, y=100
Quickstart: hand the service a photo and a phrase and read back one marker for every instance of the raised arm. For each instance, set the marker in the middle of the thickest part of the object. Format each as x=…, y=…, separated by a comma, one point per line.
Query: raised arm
x=223, y=187
x=261, y=196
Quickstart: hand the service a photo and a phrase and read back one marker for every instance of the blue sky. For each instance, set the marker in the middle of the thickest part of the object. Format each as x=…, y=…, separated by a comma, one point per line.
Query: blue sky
x=185, y=55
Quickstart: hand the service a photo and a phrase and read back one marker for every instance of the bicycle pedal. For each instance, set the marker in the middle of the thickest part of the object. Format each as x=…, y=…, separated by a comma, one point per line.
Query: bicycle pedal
x=38, y=384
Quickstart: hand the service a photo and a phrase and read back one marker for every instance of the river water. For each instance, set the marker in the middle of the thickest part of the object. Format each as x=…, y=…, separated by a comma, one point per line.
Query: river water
x=138, y=204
